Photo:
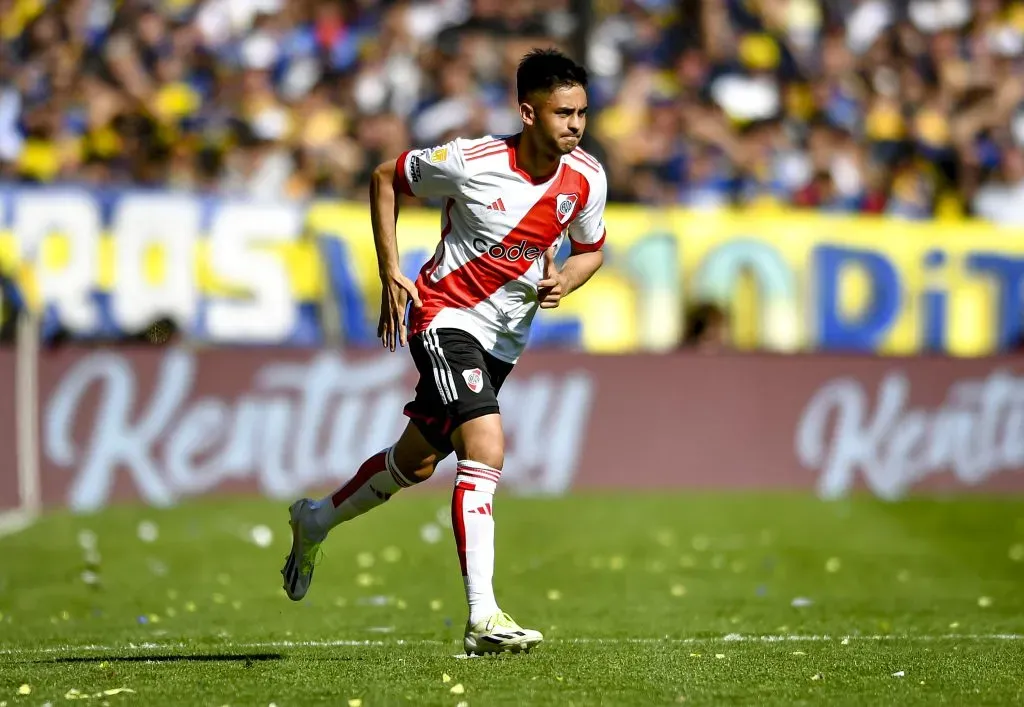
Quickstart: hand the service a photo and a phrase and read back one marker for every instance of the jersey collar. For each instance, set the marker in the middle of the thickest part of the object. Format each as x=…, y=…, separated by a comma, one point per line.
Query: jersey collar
x=513, y=148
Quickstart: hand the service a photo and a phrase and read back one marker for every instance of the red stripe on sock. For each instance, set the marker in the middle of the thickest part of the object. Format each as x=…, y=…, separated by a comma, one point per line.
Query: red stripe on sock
x=478, y=475
x=371, y=466
x=459, y=524
x=486, y=471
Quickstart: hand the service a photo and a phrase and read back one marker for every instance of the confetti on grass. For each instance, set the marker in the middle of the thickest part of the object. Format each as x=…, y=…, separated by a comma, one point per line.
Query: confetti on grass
x=430, y=534
x=148, y=532
x=261, y=536
x=87, y=539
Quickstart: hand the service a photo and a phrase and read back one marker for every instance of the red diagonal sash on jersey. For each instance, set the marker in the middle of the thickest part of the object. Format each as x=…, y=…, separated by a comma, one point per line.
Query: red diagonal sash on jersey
x=468, y=285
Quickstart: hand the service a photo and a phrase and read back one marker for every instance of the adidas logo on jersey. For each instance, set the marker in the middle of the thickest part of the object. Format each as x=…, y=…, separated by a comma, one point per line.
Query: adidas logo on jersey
x=484, y=510
x=498, y=205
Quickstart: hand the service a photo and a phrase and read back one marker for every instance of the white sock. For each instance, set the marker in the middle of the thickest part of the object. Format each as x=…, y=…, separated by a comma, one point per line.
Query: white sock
x=473, y=522
x=377, y=480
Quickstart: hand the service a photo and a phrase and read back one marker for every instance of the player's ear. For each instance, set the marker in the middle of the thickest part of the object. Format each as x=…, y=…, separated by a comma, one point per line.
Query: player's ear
x=527, y=113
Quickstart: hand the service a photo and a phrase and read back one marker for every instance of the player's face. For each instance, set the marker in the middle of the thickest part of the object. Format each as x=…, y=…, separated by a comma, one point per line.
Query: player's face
x=560, y=117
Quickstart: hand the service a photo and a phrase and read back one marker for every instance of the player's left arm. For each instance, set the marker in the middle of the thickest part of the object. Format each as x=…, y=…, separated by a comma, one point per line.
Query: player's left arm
x=579, y=267
x=586, y=235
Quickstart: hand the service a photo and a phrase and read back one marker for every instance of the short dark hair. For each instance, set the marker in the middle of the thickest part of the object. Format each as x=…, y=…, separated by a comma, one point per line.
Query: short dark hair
x=546, y=70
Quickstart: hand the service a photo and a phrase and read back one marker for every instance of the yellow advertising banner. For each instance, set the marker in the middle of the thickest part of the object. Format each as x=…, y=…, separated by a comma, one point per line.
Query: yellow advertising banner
x=231, y=271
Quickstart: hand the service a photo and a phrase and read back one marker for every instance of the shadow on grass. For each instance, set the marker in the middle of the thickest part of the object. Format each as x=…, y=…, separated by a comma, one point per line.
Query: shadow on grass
x=247, y=658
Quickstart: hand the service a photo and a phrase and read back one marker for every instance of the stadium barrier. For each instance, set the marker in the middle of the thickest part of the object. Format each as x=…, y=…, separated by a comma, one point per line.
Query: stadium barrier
x=163, y=425
x=102, y=264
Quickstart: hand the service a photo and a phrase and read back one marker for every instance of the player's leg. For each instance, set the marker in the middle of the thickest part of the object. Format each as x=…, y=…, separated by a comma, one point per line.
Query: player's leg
x=409, y=461
x=474, y=378
x=480, y=445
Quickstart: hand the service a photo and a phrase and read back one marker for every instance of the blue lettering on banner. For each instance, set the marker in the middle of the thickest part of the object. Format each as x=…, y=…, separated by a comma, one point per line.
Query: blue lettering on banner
x=1009, y=274
x=935, y=304
x=866, y=333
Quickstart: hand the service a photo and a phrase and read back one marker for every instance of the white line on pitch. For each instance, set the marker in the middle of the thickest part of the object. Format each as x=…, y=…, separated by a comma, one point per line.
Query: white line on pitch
x=730, y=638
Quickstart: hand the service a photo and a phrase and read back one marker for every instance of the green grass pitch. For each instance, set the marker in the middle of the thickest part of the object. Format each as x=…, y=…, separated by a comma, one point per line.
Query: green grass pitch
x=675, y=598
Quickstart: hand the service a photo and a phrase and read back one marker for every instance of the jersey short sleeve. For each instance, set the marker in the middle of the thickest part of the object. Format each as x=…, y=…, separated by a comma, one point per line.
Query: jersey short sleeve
x=587, y=230
x=432, y=171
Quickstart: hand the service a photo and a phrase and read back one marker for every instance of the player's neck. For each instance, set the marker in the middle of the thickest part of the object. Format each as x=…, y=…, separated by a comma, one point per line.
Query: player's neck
x=529, y=159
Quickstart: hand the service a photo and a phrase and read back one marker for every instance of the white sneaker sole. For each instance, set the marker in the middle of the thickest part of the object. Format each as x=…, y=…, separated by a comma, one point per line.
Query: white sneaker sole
x=525, y=644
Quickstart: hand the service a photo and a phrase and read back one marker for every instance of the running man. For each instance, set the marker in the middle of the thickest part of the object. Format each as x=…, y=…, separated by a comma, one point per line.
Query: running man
x=508, y=202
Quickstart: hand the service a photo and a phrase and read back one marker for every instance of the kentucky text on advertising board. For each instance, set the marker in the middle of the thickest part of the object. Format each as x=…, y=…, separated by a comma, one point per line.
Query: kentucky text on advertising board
x=163, y=425
x=233, y=271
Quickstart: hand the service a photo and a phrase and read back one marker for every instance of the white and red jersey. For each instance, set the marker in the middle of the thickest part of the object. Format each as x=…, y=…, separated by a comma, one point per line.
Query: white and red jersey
x=496, y=223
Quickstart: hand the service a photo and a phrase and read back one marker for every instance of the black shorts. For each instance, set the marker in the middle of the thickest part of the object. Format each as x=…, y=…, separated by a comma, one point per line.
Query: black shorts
x=459, y=381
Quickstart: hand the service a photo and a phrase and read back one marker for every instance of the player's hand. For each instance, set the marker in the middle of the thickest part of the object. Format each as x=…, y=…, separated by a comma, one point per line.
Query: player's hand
x=396, y=293
x=551, y=286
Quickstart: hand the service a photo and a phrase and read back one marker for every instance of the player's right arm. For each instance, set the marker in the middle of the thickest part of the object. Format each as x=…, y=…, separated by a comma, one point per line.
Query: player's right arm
x=396, y=288
x=431, y=172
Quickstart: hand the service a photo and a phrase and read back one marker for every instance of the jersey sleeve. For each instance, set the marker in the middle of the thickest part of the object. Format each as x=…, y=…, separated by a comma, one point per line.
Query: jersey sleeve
x=431, y=172
x=587, y=230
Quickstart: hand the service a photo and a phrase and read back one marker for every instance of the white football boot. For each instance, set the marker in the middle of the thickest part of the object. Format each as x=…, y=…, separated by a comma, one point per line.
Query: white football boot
x=299, y=565
x=499, y=634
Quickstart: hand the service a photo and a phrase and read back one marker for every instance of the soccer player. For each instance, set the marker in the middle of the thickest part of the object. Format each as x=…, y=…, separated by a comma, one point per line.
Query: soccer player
x=507, y=204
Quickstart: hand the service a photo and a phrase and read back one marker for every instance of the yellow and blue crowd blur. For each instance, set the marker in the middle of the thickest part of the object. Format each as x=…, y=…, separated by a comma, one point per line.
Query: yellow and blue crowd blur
x=251, y=130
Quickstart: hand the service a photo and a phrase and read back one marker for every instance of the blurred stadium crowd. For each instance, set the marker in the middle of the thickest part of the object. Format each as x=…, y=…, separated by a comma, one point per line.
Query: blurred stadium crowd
x=913, y=108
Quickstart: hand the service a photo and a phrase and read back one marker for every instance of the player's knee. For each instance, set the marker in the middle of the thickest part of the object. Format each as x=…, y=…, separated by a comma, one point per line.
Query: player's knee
x=492, y=454
x=481, y=440
x=415, y=458
x=424, y=471
x=415, y=467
